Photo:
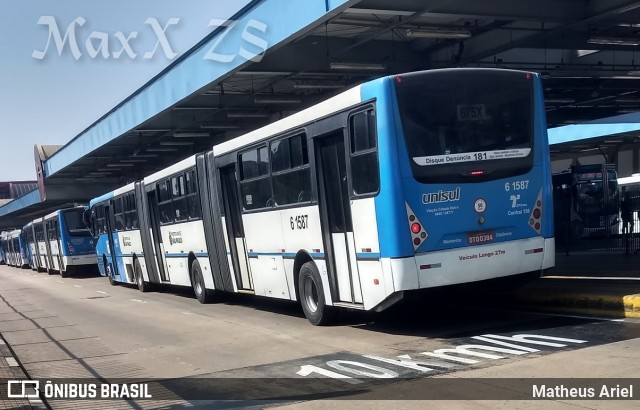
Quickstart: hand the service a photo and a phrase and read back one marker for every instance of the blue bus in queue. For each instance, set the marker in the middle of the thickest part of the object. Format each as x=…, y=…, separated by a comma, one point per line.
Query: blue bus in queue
x=3, y=259
x=60, y=242
x=14, y=249
x=407, y=182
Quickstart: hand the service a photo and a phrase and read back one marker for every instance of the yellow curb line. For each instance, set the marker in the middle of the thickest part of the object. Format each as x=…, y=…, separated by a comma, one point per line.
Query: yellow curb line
x=609, y=305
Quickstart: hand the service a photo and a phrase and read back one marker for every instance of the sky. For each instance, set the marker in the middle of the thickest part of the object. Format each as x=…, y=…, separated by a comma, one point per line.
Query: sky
x=48, y=98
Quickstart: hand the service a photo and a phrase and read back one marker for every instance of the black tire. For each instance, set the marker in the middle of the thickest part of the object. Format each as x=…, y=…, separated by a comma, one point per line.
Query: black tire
x=311, y=294
x=107, y=271
x=197, y=283
x=64, y=273
x=137, y=271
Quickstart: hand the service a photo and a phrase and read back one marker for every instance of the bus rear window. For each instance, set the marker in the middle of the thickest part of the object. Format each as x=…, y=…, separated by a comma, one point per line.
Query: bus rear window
x=455, y=125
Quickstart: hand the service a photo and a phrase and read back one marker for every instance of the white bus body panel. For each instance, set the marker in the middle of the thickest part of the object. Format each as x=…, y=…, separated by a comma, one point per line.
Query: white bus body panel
x=178, y=241
x=470, y=264
x=130, y=244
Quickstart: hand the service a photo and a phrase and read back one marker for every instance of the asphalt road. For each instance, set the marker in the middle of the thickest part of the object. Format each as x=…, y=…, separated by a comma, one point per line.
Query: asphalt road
x=246, y=348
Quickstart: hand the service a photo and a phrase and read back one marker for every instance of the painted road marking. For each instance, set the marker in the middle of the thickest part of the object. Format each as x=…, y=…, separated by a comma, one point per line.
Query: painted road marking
x=139, y=301
x=99, y=291
x=77, y=286
x=59, y=281
x=186, y=313
x=11, y=362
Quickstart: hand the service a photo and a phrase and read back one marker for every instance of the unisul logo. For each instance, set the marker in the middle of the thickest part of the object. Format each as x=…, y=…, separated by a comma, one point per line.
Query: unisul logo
x=441, y=196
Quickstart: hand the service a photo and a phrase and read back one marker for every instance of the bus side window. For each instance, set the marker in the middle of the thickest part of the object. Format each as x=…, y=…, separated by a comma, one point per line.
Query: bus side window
x=255, y=185
x=164, y=203
x=179, y=198
x=193, y=199
x=119, y=214
x=365, y=175
x=134, y=212
x=290, y=170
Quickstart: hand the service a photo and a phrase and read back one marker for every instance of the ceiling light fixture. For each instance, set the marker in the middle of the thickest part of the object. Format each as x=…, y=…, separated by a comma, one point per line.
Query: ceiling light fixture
x=318, y=86
x=357, y=66
x=143, y=156
x=560, y=100
x=248, y=115
x=220, y=126
x=175, y=143
x=446, y=34
x=277, y=100
x=191, y=134
x=582, y=53
x=614, y=41
x=162, y=149
x=153, y=130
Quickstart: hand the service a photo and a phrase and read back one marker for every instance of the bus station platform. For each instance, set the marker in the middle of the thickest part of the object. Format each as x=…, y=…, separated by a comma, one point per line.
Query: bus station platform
x=586, y=284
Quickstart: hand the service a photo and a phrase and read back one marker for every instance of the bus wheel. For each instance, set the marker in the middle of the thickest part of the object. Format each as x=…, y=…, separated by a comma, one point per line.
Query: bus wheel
x=137, y=271
x=197, y=281
x=64, y=273
x=107, y=271
x=312, y=295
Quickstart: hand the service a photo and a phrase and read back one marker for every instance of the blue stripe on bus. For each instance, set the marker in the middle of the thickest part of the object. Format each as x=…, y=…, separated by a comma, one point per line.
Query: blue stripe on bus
x=184, y=255
x=285, y=255
x=368, y=256
x=167, y=255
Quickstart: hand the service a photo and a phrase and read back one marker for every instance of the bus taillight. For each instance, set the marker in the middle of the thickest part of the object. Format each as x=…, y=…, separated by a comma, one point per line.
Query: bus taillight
x=418, y=233
x=535, y=221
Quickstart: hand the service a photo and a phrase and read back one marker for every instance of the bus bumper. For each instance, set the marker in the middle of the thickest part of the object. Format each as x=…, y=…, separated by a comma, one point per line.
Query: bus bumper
x=472, y=264
x=80, y=260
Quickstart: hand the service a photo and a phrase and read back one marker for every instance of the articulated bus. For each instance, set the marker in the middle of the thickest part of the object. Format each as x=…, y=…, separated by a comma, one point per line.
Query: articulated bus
x=403, y=183
x=60, y=242
x=14, y=249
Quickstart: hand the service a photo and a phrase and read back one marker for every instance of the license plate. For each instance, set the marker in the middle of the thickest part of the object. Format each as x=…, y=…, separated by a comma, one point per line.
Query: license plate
x=476, y=238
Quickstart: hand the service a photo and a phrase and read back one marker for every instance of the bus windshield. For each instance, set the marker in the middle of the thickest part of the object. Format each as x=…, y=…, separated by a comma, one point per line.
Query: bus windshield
x=592, y=197
x=75, y=225
x=477, y=121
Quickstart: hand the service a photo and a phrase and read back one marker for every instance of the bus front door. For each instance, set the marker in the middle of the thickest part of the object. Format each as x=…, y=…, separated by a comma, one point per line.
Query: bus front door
x=235, y=228
x=112, y=268
x=56, y=225
x=335, y=213
x=156, y=236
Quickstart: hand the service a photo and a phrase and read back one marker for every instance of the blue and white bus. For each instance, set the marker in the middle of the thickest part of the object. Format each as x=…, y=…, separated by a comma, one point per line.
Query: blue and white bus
x=60, y=242
x=406, y=182
x=14, y=247
x=3, y=259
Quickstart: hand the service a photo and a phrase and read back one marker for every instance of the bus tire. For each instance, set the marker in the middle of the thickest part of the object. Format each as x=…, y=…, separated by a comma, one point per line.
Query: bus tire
x=137, y=271
x=107, y=271
x=312, y=295
x=197, y=283
x=64, y=273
